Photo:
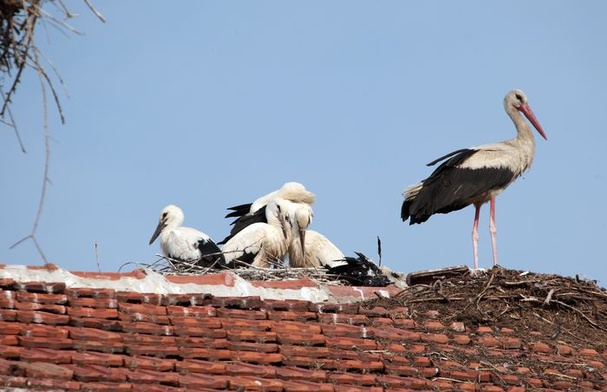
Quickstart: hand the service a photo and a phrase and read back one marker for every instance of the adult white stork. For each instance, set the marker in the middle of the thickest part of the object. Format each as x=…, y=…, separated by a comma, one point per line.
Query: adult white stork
x=476, y=175
x=309, y=248
x=185, y=244
x=260, y=243
x=250, y=213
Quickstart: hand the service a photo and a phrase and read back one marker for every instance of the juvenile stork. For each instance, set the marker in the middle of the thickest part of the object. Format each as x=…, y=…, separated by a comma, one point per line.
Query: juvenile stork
x=309, y=248
x=249, y=213
x=260, y=244
x=185, y=244
x=476, y=175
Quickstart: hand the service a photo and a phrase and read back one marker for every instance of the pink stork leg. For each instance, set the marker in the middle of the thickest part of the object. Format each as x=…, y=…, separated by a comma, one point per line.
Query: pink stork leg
x=493, y=229
x=477, y=214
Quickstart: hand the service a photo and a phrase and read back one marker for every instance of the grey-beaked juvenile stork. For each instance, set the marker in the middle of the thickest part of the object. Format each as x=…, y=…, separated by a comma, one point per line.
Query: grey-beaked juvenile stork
x=261, y=244
x=309, y=248
x=185, y=244
x=476, y=175
x=249, y=213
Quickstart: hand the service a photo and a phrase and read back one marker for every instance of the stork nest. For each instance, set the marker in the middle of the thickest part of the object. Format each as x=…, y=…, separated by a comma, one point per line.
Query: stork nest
x=17, y=21
x=279, y=271
x=565, y=309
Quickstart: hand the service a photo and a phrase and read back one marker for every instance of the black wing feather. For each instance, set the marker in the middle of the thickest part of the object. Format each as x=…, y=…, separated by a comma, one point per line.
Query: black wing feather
x=451, y=188
x=211, y=255
x=258, y=216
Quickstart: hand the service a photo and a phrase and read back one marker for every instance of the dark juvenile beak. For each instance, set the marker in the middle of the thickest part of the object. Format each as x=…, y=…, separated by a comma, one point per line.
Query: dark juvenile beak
x=302, y=239
x=157, y=232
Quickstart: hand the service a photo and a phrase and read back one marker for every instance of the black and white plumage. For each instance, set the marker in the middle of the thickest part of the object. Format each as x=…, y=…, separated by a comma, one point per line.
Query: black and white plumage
x=261, y=244
x=476, y=175
x=359, y=271
x=250, y=213
x=185, y=244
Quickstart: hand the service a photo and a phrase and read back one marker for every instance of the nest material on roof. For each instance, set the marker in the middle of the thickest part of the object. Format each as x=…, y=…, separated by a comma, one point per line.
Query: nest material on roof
x=279, y=272
x=565, y=309
x=17, y=21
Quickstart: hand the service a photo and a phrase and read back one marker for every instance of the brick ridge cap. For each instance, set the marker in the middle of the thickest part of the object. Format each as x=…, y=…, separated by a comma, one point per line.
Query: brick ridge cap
x=224, y=284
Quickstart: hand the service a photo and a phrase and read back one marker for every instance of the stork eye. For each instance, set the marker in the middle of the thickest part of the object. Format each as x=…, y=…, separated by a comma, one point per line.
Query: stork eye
x=519, y=97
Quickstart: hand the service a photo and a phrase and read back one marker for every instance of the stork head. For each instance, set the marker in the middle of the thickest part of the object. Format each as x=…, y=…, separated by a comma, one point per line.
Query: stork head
x=171, y=216
x=303, y=218
x=518, y=100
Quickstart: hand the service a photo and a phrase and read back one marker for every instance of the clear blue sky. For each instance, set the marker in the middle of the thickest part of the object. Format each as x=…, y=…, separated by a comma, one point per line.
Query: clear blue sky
x=211, y=104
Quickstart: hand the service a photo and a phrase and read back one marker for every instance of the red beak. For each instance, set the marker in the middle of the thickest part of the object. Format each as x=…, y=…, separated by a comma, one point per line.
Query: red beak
x=526, y=110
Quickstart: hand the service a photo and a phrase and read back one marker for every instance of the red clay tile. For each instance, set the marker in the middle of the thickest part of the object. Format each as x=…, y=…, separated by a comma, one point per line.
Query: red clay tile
x=351, y=343
x=246, y=369
x=287, y=305
x=488, y=341
x=329, y=307
x=540, y=347
x=435, y=338
x=243, y=324
x=41, y=298
x=45, y=370
x=213, y=333
x=185, y=323
x=199, y=382
x=588, y=352
x=199, y=366
x=302, y=351
x=405, y=323
x=484, y=329
x=103, y=303
x=94, y=358
x=303, y=386
x=142, y=376
x=511, y=342
x=291, y=316
x=42, y=287
x=103, y=324
x=50, y=355
x=44, y=342
x=7, y=282
x=352, y=379
x=187, y=341
x=26, y=316
x=51, y=308
x=199, y=312
x=252, y=336
x=242, y=314
x=133, y=297
x=53, y=385
x=147, y=328
x=89, y=292
x=9, y=340
x=344, y=330
x=142, y=309
x=155, y=350
x=303, y=339
x=294, y=373
x=8, y=315
x=256, y=384
x=344, y=318
x=98, y=313
x=461, y=339
x=108, y=387
x=248, y=346
x=11, y=352
x=10, y=328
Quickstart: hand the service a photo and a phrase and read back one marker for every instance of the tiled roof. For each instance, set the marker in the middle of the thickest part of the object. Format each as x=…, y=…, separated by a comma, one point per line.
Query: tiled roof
x=141, y=331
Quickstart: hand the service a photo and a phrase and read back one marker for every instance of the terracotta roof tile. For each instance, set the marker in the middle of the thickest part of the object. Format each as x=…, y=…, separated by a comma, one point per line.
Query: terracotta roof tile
x=218, y=332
